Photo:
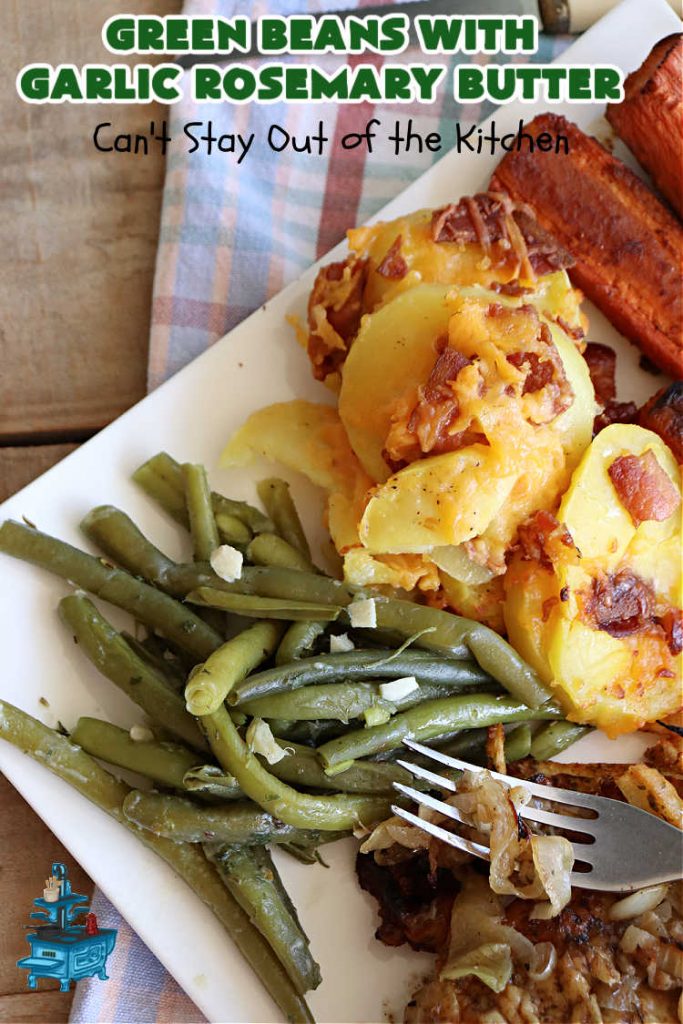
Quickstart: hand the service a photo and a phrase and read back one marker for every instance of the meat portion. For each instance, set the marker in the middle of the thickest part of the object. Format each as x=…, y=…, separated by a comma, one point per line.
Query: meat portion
x=536, y=537
x=621, y=604
x=644, y=488
x=335, y=307
x=393, y=266
x=492, y=220
x=414, y=902
x=427, y=430
x=664, y=414
x=628, y=246
x=602, y=365
x=650, y=117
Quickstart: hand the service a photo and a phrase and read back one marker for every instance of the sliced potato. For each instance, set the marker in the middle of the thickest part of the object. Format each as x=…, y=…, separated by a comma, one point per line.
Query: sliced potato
x=615, y=678
x=394, y=352
x=442, y=500
x=450, y=263
x=309, y=438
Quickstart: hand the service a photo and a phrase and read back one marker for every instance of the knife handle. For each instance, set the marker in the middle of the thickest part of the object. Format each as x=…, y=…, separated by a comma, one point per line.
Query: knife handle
x=576, y=15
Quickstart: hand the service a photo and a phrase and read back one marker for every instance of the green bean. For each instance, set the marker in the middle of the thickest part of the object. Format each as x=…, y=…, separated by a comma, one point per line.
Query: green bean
x=211, y=683
x=553, y=738
x=210, y=780
x=110, y=653
x=299, y=641
x=518, y=743
x=356, y=666
x=69, y=762
x=260, y=607
x=240, y=823
x=253, y=880
x=120, y=539
x=310, y=734
x=277, y=501
x=203, y=527
x=428, y=720
x=345, y=701
x=272, y=550
x=261, y=581
x=166, y=494
x=302, y=768
x=156, y=610
x=232, y=530
x=308, y=853
x=169, y=668
x=161, y=478
x=165, y=763
x=448, y=633
x=303, y=810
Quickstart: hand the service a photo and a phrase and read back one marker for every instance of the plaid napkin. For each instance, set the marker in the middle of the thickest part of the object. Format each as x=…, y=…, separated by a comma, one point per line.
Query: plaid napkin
x=231, y=237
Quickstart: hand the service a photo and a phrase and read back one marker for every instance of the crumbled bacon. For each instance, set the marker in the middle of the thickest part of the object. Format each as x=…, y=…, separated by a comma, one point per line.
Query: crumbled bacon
x=393, y=266
x=602, y=365
x=576, y=333
x=428, y=428
x=539, y=372
x=513, y=288
x=664, y=414
x=621, y=604
x=534, y=535
x=488, y=219
x=615, y=412
x=672, y=624
x=342, y=307
x=644, y=488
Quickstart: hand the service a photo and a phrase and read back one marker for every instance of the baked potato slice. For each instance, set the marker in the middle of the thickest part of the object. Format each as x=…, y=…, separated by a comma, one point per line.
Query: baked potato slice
x=597, y=611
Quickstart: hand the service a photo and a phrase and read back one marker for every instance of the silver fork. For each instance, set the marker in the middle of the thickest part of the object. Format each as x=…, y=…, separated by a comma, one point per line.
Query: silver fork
x=619, y=849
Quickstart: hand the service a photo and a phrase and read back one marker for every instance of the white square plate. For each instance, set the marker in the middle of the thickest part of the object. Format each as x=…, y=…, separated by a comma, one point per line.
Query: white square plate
x=191, y=416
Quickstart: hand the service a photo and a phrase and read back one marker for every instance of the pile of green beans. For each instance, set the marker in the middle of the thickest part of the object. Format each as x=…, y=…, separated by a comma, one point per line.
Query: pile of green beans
x=257, y=650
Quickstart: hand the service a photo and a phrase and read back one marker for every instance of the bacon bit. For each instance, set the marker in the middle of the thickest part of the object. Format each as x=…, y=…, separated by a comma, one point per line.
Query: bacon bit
x=577, y=333
x=672, y=624
x=664, y=414
x=343, y=316
x=495, y=309
x=644, y=488
x=513, y=288
x=621, y=604
x=615, y=412
x=666, y=673
x=539, y=373
x=533, y=537
x=393, y=266
x=547, y=607
x=602, y=366
x=490, y=218
x=448, y=365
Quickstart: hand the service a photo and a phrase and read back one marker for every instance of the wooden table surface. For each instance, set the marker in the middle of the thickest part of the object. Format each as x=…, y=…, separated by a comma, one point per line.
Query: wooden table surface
x=78, y=242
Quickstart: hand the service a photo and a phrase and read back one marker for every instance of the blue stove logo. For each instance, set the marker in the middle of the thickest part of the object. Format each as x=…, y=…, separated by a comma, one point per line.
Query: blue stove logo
x=61, y=949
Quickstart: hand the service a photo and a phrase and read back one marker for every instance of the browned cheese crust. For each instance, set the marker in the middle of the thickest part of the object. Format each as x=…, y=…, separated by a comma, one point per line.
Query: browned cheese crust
x=650, y=117
x=628, y=246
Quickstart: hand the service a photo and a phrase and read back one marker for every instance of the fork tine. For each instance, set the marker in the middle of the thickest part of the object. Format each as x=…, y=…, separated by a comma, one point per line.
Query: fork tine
x=553, y=793
x=537, y=814
x=438, y=781
x=429, y=801
x=452, y=838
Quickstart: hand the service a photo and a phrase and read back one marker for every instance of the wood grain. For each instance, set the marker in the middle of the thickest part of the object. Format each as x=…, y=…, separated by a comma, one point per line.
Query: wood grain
x=78, y=234
x=18, y=466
